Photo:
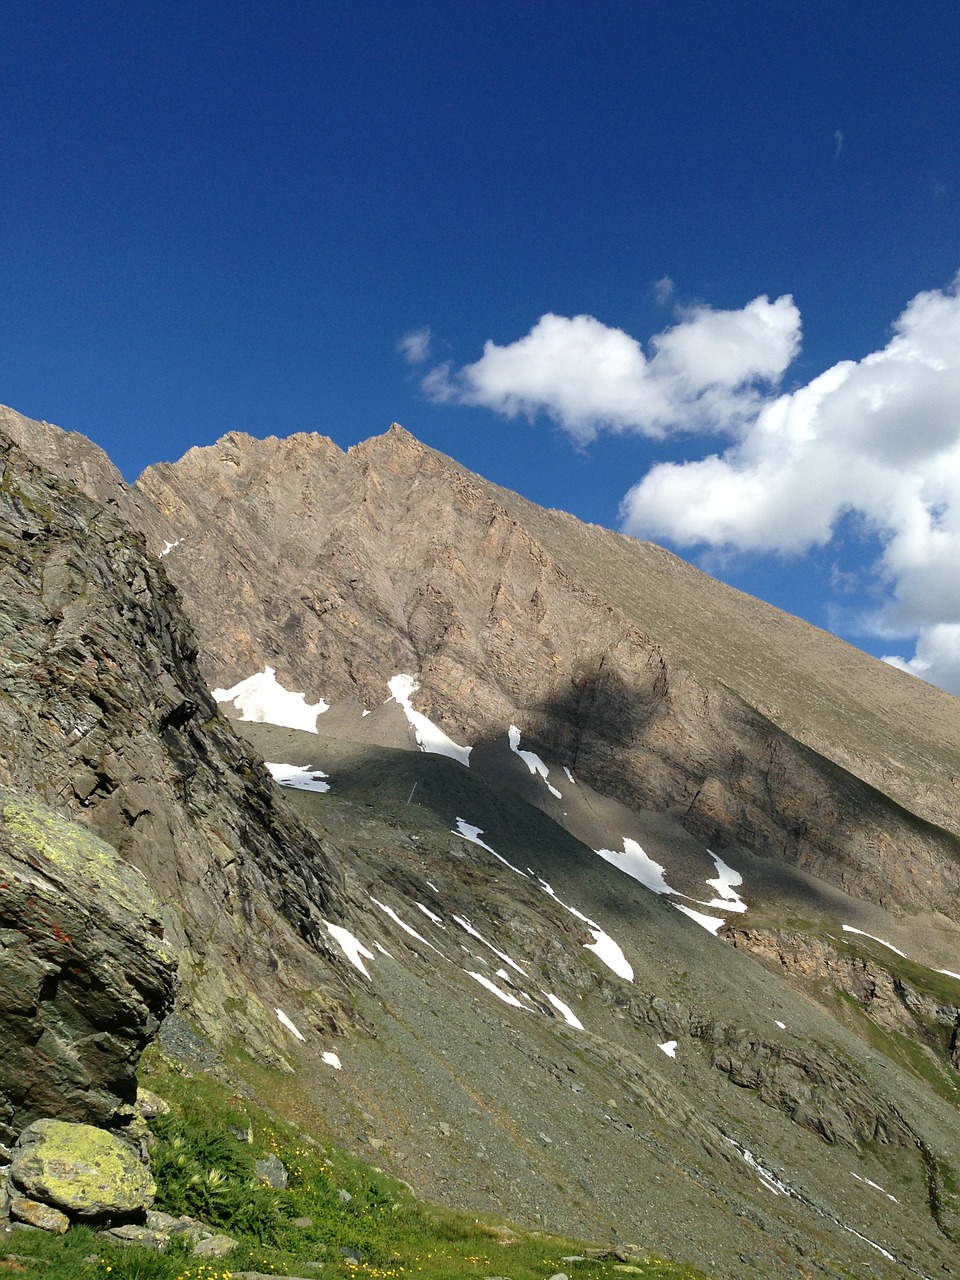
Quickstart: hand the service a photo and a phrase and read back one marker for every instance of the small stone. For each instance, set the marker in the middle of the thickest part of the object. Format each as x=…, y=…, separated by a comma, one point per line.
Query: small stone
x=559, y=1275
x=303, y=1223
x=376, y=1143
x=165, y=1222
x=271, y=1171
x=214, y=1247
x=444, y=1129
x=35, y=1214
x=545, y=1138
x=344, y=1196
x=131, y=1233
x=150, y=1104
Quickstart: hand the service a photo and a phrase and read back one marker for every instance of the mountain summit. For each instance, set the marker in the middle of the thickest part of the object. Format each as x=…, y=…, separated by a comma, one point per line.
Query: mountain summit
x=624, y=903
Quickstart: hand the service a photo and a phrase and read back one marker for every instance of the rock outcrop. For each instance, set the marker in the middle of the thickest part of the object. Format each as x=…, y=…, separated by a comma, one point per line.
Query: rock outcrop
x=82, y=1171
x=85, y=977
x=104, y=715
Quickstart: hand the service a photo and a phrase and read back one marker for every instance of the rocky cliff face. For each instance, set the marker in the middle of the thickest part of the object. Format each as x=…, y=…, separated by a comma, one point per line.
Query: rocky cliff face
x=104, y=715
x=85, y=977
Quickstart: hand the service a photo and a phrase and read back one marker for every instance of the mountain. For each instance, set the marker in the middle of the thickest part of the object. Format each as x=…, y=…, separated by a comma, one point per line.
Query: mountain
x=596, y=893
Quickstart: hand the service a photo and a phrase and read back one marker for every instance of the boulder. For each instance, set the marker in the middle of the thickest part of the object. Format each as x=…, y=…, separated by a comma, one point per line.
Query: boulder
x=85, y=977
x=88, y=1173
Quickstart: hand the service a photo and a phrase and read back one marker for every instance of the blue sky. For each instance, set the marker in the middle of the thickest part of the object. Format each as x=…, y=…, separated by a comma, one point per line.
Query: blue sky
x=228, y=216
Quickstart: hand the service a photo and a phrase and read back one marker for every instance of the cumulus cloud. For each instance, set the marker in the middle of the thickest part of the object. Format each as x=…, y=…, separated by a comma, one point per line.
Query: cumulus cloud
x=879, y=437
x=704, y=373
x=414, y=346
x=937, y=658
x=663, y=290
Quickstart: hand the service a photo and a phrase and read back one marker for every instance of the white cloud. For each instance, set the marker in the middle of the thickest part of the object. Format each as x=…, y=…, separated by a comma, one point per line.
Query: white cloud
x=586, y=376
x=414, y=346
x=937, y=658
x=879, y=437
x=663, y=290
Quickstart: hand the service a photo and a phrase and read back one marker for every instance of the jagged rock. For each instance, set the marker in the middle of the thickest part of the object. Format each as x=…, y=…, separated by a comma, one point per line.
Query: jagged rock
x=87, y=1172
x=85, y=977
x=37, y=1214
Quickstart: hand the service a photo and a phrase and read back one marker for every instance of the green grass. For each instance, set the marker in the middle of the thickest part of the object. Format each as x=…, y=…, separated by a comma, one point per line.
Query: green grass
x=382, y=1232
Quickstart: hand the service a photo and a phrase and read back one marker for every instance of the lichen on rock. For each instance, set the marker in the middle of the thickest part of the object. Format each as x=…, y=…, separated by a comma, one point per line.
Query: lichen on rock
x=83, y=1171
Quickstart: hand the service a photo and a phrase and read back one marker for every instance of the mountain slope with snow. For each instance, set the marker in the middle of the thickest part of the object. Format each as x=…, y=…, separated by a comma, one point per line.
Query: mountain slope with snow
x=602, y=921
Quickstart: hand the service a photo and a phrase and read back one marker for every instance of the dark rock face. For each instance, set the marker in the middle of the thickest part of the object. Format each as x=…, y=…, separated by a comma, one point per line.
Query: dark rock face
x=84, y=976
x=104, y=714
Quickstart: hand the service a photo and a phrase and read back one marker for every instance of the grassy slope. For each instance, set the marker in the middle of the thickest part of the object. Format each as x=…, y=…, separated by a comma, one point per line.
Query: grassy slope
x=382, y=1232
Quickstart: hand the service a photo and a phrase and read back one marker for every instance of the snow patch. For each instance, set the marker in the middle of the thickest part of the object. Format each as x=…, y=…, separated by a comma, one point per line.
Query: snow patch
x=403, y=925
x=473, y=834
x=725, y=880
x=634, y=862
x=570, y=778
x=465, y=924
x=669, y=1047
x=603, y=946
x=431, y=915
x=168, y=547
x=261, y=699
x=292, y=775
x=711, y=923
x=848, y=928
x=569, y=1017
x=505, y=996
x=781, y=1025
x=532, y=761
x=429, y=737
x=285, y=1021
x=949, y=974
x=351, y=947
x=876, y=1186
x=331, y=1059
